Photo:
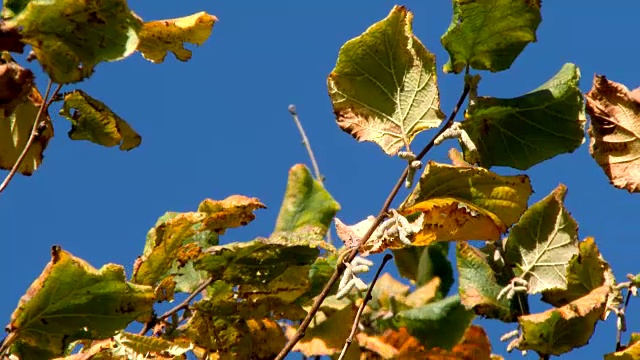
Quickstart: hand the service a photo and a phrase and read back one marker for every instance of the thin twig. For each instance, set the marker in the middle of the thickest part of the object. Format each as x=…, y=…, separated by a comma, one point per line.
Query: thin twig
x=367, y=298
x=175, y=309
x=314, y=163
x=621, y=314
x=46, y=101
x=378, y=220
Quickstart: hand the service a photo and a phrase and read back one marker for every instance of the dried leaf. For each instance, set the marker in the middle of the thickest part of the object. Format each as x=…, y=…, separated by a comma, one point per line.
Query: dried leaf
x=448, y=219
x=629, y=352
x=92, y=120
x=489, y=34
x=560, y=330
x=383, y=87
x=615, y=131
x=160, y=36
x=541, y=244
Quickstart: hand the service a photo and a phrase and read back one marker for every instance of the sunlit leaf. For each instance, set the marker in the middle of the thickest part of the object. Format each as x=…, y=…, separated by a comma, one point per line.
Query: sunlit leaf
x=541, y=244
x=388, y=289
x=20, y=102
x=441, y=323
x=327, y=337
x=267, y=338
x=629, y=352
x=615, y=131
x=480, y=282
x=560, y=330
x=160, y=36
x=102, y=303
x=69, y=38
x=586, y=271
x=448, y=219
x=474, y=345
x=232, y=212
x=504, y=196
x=92, y=120
x=383, y=87
x=307, y=207
x=524, y=131
x=489, y=34
x=132, y=346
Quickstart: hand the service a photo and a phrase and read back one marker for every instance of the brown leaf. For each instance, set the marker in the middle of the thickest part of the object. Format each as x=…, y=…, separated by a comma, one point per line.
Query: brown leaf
x=615, y=131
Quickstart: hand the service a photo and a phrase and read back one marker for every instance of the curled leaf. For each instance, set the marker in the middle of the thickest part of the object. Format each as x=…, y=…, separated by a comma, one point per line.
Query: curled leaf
x=92, y=120
x=383, y=87
x=160, y=36
x=615, y=131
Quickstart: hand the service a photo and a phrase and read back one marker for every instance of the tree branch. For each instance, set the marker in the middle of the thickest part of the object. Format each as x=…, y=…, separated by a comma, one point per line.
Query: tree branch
x=621, y=314
x=367, y=298
x=46, y=102
x=378, y=220
x=175, y=309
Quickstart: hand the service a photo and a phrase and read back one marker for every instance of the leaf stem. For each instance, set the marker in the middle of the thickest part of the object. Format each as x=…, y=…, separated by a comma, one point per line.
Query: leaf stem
x=620, y=328
x=378, y=220
x=175, y=309
x=367, y=298
x=46, y=102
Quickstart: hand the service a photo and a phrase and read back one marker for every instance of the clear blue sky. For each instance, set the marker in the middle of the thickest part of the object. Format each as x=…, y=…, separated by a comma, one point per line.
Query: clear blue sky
x=218, y=125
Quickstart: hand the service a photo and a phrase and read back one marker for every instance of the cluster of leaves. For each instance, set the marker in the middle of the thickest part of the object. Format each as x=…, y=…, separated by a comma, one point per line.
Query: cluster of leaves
x=253, y=294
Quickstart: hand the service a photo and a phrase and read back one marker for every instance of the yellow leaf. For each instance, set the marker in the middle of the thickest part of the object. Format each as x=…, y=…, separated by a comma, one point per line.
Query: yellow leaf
x=234, y=211
x=448, y=219
x=159, y=37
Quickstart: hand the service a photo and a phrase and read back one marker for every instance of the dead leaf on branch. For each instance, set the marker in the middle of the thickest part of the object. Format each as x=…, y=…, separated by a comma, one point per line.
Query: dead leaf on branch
x=615, y=131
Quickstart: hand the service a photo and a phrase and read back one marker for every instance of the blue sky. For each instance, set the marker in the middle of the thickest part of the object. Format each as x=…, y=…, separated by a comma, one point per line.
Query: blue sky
x=218, y=125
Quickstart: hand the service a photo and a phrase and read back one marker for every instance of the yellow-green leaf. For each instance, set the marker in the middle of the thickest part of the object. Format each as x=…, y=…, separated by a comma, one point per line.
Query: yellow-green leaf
x=92, y=120
x=448, y=219
x=21, y=102
x=630, y=352
x=383, y=87
x=160, y=36
x=71, y=300
x=489, y=34
x=504, y=196
x=69, y=37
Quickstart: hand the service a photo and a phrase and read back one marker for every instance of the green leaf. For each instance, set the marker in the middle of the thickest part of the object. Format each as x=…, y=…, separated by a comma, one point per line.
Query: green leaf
x=586, y=271
x=524, y=131
x=504, y=196
x=92, y=120
x=159, y=37
x=69, y=47
x=541, y=244
x=71, y=300
x=441, y=323
x=20, y=102
x=132, y=346
x=489, y=34
x=178, y=238
x=420, y=264
x=481, y=280
x=307, y=207
x=560, y=330
x=383, y=87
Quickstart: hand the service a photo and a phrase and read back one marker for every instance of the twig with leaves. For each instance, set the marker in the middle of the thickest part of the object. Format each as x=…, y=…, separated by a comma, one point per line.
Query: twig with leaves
x=621, y=323
x=184, y=304
x=367, y=298
x=378, y=220
x=35, y=132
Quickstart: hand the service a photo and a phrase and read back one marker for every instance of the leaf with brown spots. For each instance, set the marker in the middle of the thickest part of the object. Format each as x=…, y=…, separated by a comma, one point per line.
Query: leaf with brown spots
x=615, y=131
x=103, y=303
x=232, y=212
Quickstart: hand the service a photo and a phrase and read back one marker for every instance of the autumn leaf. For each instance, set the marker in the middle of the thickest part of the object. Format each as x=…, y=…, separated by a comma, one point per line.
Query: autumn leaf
x=585, y=272
x=474, y=345
x=92, y=120
x=448, y=219
x=69, y=47
x=489, y=34
x=629, y=352
x=543, y=242
x=160, y=36
x=560, y=330
x=103, y=303
x=421, y=264
x=504, y=196
x=232, y=212
x=480, y=281
x=383, y=87
x=20, y=102
x=523, y=131
x=615, y=131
